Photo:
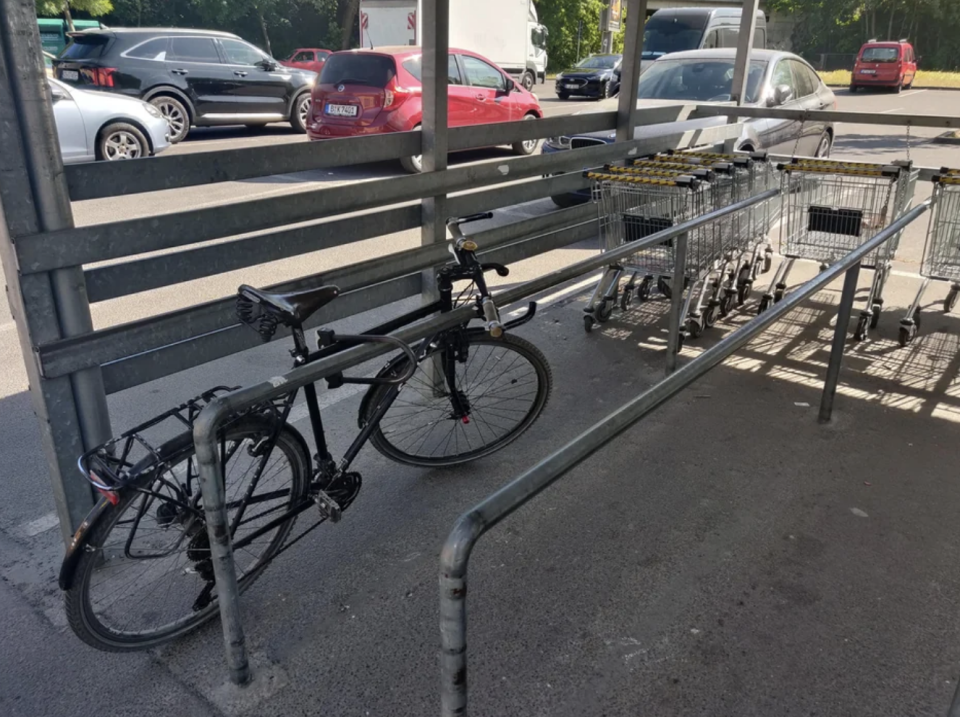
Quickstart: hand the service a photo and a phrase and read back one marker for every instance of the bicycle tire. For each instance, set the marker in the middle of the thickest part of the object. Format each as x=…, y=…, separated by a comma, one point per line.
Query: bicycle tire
x=81, y=612
x=484, y=417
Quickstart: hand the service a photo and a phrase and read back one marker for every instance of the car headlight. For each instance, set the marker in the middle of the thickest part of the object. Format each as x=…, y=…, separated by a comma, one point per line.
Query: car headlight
x=558, y=142
x=152, y=111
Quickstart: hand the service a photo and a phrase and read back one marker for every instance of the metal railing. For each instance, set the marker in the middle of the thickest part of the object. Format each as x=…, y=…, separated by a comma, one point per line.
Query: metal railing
x=473, y=524
x=213, y=415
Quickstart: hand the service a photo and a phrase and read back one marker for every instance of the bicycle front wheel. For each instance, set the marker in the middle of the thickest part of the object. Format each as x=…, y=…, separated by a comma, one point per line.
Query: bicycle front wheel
x=503, y=386
x=145, y=576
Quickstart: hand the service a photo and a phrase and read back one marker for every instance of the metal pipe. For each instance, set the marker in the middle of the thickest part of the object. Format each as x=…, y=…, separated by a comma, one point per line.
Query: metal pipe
x=839, y=342
x=630, y=70
x=741, y=66
x=898, y=120
x=676, y=303
x=455, y=554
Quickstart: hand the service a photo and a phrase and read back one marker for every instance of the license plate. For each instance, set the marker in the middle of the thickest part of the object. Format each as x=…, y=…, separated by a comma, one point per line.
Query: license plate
x=571, y=85
x=69, y=75
x=341, y=110
x=868, y=72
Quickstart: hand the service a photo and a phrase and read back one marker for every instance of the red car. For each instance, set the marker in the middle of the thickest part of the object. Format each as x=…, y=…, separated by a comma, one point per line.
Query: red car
x=884, y=64
x=307, y=58
x=376, y=91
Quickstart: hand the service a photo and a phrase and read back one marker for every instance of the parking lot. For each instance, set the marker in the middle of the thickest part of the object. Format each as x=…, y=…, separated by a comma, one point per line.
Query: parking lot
x=727, y=556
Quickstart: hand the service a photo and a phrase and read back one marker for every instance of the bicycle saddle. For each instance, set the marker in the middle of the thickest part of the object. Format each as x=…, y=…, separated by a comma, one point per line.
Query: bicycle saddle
x=292, y=307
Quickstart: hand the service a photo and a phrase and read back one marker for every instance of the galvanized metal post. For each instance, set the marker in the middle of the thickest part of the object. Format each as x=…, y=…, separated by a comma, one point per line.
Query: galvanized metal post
x=213, y=490
x=839, y=342
x=72, y=410
x=434, y=134
x=630, y=69
x=955, y=703
x=741, y=74
x=674, y=337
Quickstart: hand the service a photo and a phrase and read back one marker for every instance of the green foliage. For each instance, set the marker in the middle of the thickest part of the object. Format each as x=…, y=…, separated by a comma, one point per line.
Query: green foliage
x=93, y=8
x=562, y=18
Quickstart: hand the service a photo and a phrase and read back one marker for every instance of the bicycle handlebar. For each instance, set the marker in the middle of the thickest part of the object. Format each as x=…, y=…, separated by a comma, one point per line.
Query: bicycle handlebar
x=453, y=223
x=492, y=316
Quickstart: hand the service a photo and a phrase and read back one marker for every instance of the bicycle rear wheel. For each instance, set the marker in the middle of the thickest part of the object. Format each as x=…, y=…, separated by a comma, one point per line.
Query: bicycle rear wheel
x=504, y=383
x=145, y=575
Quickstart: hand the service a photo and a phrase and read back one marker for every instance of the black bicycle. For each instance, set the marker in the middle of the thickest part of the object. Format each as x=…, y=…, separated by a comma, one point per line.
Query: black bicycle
x=138, y=572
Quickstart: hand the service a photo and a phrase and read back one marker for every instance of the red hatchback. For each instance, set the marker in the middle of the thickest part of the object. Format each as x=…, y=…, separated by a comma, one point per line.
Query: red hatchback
x=884, y=64
x=376, y=91
x=307, y=58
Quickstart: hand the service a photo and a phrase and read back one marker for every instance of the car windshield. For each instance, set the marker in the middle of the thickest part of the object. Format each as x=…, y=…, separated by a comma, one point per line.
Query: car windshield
x=358, y=69
x=598, y=62
x=880, y=54
x=665, y=35
x=85, y=47
x=697, y=80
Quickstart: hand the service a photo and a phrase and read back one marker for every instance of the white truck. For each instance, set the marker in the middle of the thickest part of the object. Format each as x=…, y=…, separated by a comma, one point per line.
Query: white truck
x=505, y=31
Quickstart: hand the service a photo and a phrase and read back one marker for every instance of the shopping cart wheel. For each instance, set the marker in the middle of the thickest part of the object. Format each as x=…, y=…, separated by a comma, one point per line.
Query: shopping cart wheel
x=695, y=326
x=908, y=332
x=875, y=316
x=643, y=289
x=767, y=261
x=778, y=295
x=663, y=287
x=743, y=292
x=604, y=310
x=951, y=300
x=588, y=323
x=710, y=314
x=861, y=332
x=726, y=302
x=626, y=299
x=764, y=303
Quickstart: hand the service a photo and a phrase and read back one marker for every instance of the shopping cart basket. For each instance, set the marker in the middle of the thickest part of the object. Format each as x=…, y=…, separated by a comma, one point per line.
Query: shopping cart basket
x=634, y=203
x=830, y=208
x=941, y=254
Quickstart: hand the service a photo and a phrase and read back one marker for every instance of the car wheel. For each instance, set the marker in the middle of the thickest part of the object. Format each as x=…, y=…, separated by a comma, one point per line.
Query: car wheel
x=826, y=144
x=176, y=115
x=853, y=89
x=899, y=88
x=528, y=146
x=527, y=80
x=565, y=201
x=607, y=92
x=563, y=96
x=121, y=141
x=414, y=164
x=301, y=111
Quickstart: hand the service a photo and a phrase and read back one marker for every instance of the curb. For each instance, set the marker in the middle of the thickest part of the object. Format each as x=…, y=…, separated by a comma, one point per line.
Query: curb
x=937, y=89
x=946, y=138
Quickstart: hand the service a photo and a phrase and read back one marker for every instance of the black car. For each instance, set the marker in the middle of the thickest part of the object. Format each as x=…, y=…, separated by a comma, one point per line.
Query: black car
x=194, y=77
x=597, y=76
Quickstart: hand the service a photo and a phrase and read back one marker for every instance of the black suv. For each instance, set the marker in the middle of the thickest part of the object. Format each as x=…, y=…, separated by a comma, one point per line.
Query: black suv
x=194, y=77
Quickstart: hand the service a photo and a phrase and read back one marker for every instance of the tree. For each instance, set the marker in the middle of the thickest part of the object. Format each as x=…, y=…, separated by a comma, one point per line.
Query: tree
x=93, y=8
x=562, y=19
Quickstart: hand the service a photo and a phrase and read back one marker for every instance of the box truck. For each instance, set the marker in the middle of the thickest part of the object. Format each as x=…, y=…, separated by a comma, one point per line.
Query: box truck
x=505, y=31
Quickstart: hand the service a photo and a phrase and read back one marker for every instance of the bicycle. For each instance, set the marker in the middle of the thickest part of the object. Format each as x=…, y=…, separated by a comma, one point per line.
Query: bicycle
x=138, y=571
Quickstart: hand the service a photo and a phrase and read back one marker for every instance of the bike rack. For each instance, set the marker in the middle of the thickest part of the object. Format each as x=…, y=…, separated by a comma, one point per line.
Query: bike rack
x=476, y=522
x=218, y=410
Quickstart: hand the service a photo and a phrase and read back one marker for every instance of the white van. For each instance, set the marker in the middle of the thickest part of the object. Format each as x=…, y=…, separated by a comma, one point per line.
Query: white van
x=694, y=28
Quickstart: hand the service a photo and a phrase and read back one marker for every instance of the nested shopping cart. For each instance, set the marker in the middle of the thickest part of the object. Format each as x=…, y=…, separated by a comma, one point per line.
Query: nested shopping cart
x=941, y=254
x=830, y=208
x=636, y=202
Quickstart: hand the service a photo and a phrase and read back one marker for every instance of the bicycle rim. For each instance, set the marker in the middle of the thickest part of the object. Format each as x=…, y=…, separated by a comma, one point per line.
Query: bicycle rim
x=145, y=577
x=506, y=383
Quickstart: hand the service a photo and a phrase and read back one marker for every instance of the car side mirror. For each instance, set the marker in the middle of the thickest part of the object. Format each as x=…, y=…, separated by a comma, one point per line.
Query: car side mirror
x=781, y=95
x=57, y=95
x=511, y=86
x=267, y=65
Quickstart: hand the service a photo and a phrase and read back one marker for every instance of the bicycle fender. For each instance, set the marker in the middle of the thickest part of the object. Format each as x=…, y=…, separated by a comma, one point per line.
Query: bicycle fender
x=70, y=559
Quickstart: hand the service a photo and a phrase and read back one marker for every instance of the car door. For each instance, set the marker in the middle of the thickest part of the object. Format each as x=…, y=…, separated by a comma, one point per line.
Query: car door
x=461, y=103
x=260, y=87
x=909, y=66
x=304, y=59
x=490, y=98
x=71, y=130
x=195, y=63
x=808, y=98
x=780, y=135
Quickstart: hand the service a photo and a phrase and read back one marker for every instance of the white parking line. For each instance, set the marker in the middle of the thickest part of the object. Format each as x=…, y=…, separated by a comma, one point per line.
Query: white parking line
x=40, y=525
x=895, y=109
x=913, y=92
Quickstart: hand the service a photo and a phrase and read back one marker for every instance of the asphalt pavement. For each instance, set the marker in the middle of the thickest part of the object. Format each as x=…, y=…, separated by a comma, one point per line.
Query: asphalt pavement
x=727, y=556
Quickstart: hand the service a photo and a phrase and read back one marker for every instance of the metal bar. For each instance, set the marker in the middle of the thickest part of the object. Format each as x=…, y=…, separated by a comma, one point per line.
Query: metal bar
x=504, y=133
x=102, y=242
x=955, y=703
x=517, y=193
x=676, y=304
x=741, y=74
x=839, y=342
x=630, y=70
x=468, y=529
x=895, y=120
x=72, y=413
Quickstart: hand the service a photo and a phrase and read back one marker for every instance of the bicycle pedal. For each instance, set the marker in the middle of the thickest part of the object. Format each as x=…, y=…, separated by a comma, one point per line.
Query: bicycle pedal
x=328, y=507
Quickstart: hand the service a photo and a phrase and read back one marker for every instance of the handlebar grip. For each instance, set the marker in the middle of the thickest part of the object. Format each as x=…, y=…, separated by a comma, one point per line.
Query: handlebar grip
x=469, y=218
x=494, y=327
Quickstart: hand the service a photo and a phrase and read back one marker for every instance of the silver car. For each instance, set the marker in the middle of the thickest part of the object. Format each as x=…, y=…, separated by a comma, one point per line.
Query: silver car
x=97, y=125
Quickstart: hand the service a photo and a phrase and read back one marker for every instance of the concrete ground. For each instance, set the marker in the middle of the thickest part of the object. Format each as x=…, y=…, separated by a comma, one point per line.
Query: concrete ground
x=727, y=556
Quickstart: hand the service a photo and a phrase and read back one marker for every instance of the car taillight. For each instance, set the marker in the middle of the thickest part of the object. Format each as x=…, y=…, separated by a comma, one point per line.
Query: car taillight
x=394, y=96
x=104, y=76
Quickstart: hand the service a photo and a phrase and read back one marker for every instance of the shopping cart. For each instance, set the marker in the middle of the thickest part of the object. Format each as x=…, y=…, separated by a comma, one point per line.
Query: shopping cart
x=941, y=254
x=830, y=208
x=636, y=202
